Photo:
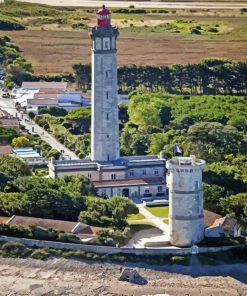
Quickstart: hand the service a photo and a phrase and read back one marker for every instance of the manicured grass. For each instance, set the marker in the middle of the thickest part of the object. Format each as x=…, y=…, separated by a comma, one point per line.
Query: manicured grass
x=204, y=260
x=180, y=260
x=159, y=211
x=138, y=227
x=132, y=222
x=136, y=217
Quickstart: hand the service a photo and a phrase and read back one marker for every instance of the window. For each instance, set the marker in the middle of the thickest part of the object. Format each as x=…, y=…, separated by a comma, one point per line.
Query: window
x=107, y=74
x=160, y=188
x=196, y=185
x=144, y=172
x=113, y=176
x=156, y=172
x=89, y=176
x=108, y=136
x=107, y=116
x=131, y=173
x=106, y=44
x=107, y=95
x=146, y=190
x=108, y=157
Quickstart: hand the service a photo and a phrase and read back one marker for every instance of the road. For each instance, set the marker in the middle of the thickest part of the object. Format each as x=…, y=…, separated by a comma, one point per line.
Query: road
x=32, y=127
x=143, y=4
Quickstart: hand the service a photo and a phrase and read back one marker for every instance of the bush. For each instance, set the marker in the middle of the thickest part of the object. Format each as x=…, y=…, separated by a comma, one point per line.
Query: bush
x=40, y=254
x=8, y=24
x=195, y=31
x=13, y=249
x=180, y=260
x=15, y=231
x=213, y=30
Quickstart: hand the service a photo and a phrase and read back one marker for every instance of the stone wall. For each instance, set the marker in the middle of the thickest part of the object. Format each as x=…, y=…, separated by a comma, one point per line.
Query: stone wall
x=113, y=250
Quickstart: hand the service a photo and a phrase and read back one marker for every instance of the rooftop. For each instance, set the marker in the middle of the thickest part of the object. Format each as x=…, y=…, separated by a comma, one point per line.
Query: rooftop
x=185, y=161
x=47, y=85
x=59, y=225
x=41, y=101
x=26, y=152
x=5, y=149
x=12, y=121
x=210, y=217
x=127, y=182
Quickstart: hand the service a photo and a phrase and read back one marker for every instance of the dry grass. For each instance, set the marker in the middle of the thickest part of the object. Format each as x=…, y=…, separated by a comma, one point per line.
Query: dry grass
x=55, y=48
x=57, y=51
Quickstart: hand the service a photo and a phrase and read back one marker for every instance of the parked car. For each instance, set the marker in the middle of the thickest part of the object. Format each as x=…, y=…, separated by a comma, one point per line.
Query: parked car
x=147, y=195
x=6, y=95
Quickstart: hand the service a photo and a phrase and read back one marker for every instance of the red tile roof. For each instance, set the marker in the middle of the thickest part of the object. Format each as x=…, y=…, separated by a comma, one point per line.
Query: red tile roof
x=9, y=121
x=127, y=182
x=5, y=149
x=210, y=217
x=59, y=225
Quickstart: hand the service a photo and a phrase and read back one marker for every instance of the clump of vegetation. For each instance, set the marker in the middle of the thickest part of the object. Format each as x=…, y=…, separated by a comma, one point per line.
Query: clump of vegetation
x=35, y=232
x=13, y=250
x=9, y=24
x=180, y=260
x=40, y=254
x=79, y=26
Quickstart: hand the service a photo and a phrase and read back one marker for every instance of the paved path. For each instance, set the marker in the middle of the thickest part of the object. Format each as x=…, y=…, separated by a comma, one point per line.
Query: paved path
x=149, y=217
x=32, y=127
x=143, y=4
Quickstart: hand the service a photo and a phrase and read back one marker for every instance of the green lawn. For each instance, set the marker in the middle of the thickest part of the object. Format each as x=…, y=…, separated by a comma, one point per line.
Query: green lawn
x=138, y=227
x=159, y=211
x=136, y=217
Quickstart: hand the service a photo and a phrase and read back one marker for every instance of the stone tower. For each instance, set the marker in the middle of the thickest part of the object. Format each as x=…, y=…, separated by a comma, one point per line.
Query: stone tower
x=105, y=126
x=186, y=219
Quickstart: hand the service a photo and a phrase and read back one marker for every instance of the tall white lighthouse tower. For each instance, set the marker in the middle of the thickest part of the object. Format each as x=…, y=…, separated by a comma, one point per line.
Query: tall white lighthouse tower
x=186, y=219
x=105, y=126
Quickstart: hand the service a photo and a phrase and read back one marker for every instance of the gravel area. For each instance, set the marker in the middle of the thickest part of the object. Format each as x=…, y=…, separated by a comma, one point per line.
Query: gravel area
x=70, y=277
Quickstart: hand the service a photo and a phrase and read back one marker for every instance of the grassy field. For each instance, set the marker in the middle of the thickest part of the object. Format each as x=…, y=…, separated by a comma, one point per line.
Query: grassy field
x=56, y=38
x=136, y=217
x=160, y=211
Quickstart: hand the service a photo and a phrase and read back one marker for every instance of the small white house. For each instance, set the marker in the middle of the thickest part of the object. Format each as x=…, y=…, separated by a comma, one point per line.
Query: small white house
x=29, y=155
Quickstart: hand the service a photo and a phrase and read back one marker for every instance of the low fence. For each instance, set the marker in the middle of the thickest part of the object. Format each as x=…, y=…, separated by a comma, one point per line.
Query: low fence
x=115, y=250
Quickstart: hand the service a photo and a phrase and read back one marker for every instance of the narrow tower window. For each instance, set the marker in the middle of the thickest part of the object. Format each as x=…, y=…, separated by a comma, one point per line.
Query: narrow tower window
x=107, y=95
x=107, y=116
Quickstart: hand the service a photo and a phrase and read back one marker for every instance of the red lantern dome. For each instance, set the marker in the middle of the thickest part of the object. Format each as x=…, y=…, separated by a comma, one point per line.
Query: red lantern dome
x=103, y=17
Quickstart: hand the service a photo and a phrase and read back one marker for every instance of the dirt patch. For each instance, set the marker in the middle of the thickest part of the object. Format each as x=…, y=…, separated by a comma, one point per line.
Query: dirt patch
x=68, y=277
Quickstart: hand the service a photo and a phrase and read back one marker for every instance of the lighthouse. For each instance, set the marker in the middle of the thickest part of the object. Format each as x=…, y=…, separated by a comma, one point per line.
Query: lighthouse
x=105, y=125
x=186, y=218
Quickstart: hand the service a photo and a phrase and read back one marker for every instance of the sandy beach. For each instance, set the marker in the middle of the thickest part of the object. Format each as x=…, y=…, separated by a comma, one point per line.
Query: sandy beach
x=69, y=277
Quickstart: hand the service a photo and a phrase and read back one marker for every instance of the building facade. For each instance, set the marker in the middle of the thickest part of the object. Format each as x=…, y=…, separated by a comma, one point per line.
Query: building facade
x=186, y=217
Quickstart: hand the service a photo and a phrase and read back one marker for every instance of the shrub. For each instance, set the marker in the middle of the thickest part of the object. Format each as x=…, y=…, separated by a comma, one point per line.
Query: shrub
x=180, y=260
x=213, y=30
x=40, y=254
x=13, y=249
x=195, y=31
x=8, y=24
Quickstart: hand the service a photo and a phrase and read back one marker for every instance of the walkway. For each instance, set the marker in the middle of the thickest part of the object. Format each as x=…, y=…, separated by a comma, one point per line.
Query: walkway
x=33, y=128
x=149, y=217
x=153, y=237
